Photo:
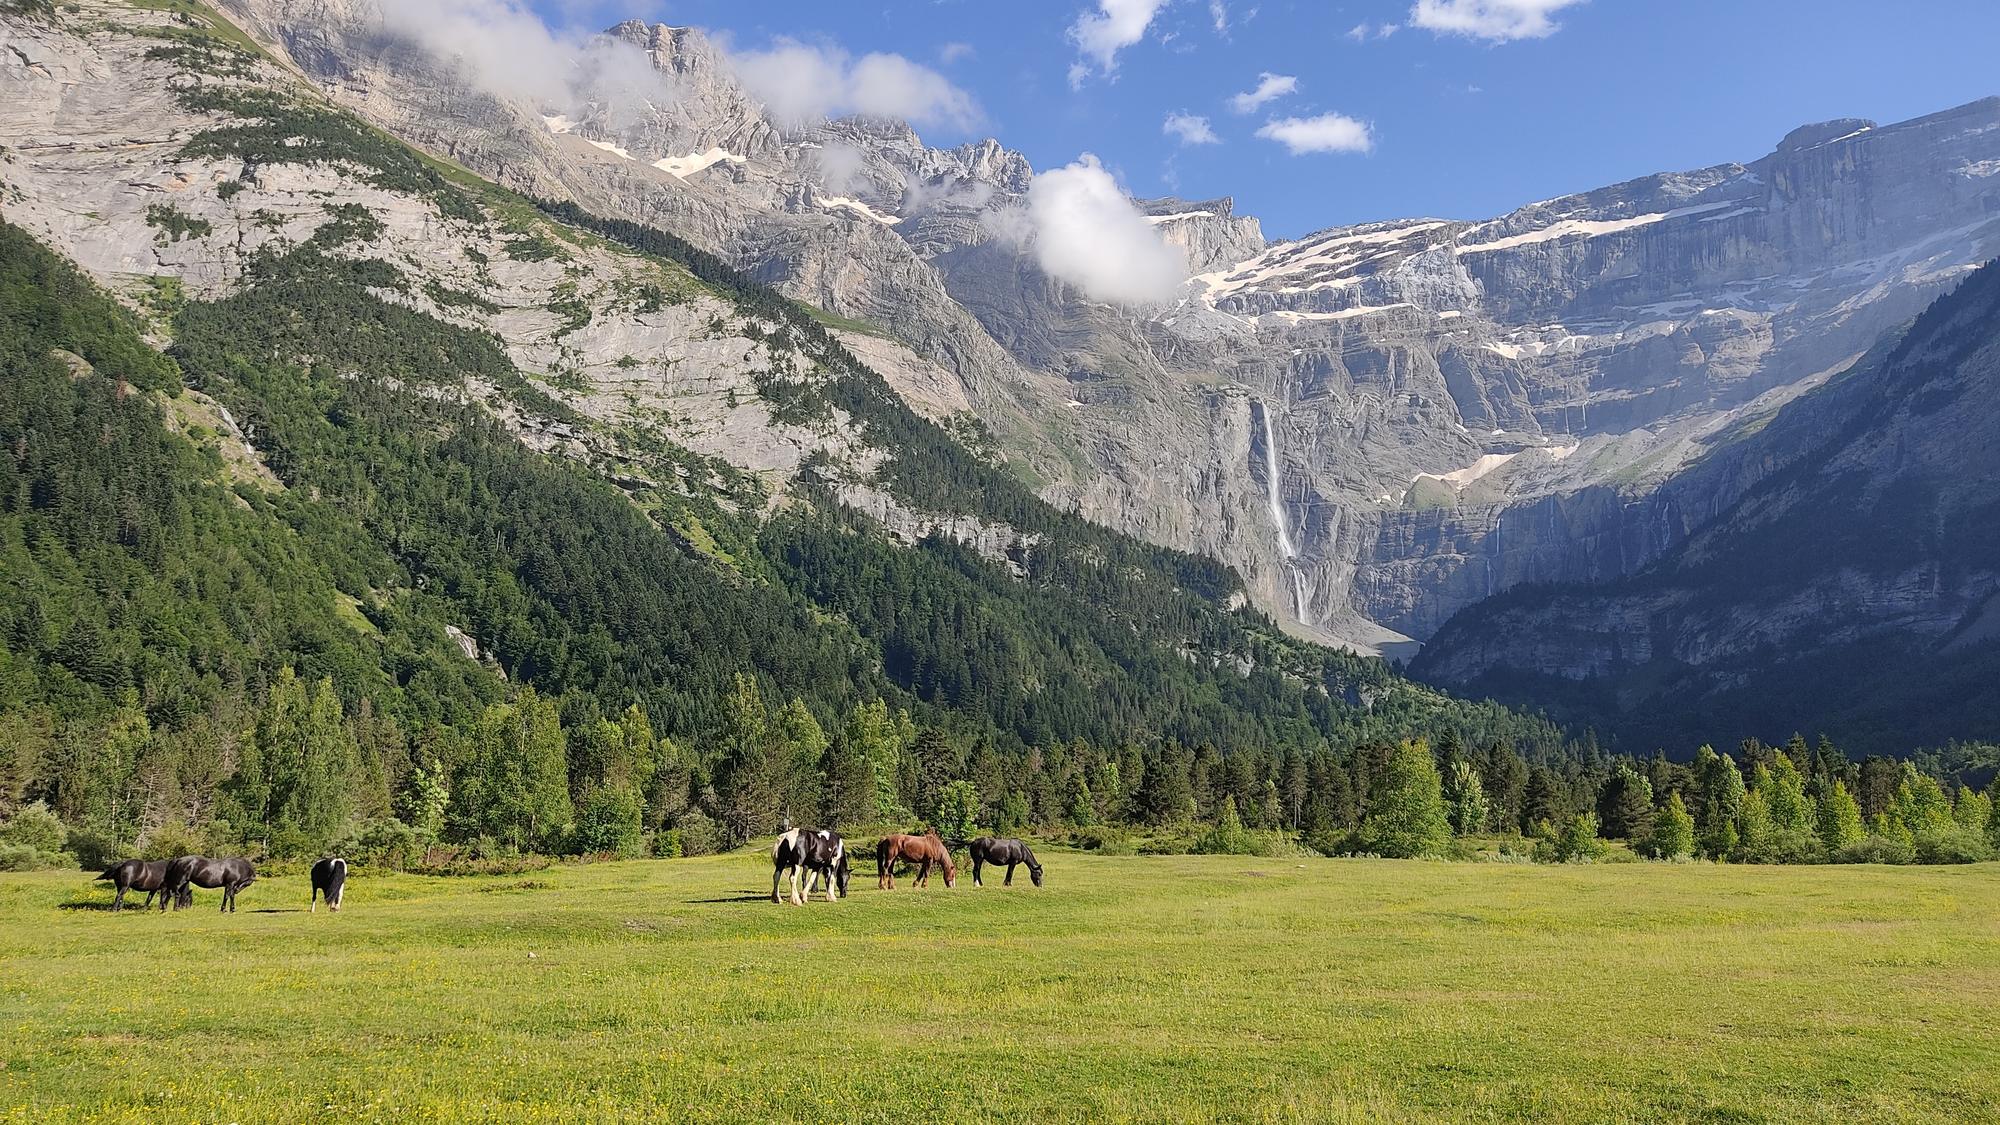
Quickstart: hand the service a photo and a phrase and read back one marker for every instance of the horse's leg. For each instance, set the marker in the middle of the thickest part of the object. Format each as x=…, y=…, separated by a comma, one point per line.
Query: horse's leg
x=777, y=873
x=1009, y=881
x=924, y=872
x=977, y=863
x=118, y=900
x=830, y=896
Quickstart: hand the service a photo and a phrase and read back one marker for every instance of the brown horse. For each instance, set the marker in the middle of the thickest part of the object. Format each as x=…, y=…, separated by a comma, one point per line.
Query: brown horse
x=924, y=851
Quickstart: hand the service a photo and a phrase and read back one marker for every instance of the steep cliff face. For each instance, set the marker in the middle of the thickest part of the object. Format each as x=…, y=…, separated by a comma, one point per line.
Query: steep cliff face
x=1856, y=582
x=1455, y=407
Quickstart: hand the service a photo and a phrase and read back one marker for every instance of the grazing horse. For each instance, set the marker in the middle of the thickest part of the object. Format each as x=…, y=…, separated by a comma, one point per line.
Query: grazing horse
x=232, y=875
x=137, y=875
x=924, y=851
x=809, y=855
x=997, y=850
x=329, y=878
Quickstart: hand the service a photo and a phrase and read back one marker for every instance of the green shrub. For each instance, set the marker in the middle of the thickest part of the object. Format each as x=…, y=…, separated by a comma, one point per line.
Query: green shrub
x=1876, y=848
x=666, y=844
x=1227, y=836
x=34, y=826
x=611, y=822
x=1954, y=844
x=21, y=857
x=699, y=833
x=1575, y=842
x=387, y=845
x=171, y=841
x=94, y=850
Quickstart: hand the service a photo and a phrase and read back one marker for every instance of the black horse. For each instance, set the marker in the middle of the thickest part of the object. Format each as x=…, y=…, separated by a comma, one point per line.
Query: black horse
x=232, y=875
x=329, y=878
x=1003, y=849
x=137, y=875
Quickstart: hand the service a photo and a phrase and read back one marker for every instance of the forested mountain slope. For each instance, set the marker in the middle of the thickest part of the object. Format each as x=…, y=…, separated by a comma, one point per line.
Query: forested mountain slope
x=390, y=491
x=1853, y=588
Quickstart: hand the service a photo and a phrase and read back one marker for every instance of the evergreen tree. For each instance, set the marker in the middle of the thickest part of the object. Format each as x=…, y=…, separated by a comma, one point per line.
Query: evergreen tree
x=1673, y=830
x=1079, y=805
x=1504, y=776
x=751, y=771
x=1625, y=805
x=1545, y=798
x=1406, y=810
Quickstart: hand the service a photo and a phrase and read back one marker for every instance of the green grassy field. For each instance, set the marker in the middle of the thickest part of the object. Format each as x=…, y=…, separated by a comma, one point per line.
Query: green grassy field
x=1133, y=988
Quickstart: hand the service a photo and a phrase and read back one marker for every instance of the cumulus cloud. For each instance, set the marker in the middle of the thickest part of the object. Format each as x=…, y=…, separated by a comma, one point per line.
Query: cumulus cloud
x=1270, y=87
x=504, y=48
x=801, y=84
x=1329, y=132
x=1114, y=26
x=1496, y=21
x=1191, y=130
x=1083, y=230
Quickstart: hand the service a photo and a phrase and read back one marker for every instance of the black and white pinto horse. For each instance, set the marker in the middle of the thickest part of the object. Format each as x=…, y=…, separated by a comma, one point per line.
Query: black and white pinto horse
x=997, y=850
x=232, y=875
x=812, y=856
x=137, y=875
x=329, y=879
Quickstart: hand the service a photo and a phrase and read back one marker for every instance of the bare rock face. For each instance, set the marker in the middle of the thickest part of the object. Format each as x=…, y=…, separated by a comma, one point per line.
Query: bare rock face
x=1455, y=407
x=1861, y=553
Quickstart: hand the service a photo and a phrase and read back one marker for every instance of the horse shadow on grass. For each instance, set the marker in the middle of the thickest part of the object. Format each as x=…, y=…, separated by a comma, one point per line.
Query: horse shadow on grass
x=99, y=907
x=744, y=897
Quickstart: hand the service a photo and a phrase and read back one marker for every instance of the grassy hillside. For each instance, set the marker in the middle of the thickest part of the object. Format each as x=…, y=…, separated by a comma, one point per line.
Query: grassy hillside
x=1147, y=988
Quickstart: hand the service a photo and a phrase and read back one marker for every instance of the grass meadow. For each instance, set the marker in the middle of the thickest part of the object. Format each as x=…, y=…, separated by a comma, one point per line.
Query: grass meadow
x=1136, y=988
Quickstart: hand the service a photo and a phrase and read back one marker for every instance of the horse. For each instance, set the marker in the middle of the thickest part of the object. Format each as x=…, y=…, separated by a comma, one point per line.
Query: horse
x=810, y=855
x=137, y=875
x=997, y=850
x=329, y=878
x=924, y=851
x=232, y=875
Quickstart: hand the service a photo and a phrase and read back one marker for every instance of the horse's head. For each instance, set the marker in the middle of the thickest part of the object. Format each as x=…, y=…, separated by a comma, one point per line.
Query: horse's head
x=950, y=868
x=1035, y=872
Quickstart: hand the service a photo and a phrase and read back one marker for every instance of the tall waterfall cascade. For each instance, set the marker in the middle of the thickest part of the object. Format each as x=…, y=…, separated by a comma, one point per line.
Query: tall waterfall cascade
x=1287, y=550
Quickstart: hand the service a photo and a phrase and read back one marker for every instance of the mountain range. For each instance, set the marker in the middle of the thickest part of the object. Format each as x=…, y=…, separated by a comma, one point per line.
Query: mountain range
x=1495, y=440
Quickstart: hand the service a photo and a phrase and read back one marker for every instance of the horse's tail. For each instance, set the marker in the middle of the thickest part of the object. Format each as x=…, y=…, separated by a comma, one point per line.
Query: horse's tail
x=882, y=851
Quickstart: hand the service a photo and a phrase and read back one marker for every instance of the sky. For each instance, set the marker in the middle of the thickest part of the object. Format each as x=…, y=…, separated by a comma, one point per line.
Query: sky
x=1318, y=113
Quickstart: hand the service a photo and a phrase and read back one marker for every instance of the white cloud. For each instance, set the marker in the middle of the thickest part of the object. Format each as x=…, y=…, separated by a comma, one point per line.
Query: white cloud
x=1218, y=14
x=1364, y=31
x=953, y=52
x=1114, y=26
x=1190, y=129
x=1329, y=132
x=505, y=49
x=801, y=83
x=1270, y=87
x=1083, y=230
x=1497, y=21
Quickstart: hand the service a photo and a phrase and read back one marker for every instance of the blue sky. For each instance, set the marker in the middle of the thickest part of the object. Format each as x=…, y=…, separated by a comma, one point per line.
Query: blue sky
x=1459, y=125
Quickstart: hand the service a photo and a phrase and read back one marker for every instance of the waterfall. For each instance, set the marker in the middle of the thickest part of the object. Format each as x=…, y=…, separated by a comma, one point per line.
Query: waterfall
x=1288, y=551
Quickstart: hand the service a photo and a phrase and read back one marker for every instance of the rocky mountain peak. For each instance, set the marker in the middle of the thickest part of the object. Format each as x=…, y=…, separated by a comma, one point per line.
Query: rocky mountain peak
x=1806, y=136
